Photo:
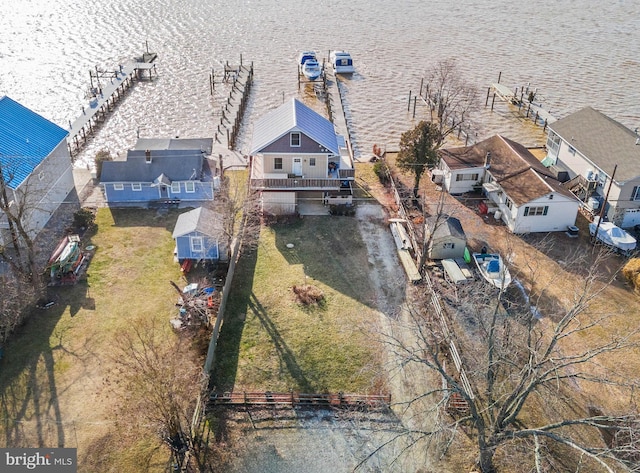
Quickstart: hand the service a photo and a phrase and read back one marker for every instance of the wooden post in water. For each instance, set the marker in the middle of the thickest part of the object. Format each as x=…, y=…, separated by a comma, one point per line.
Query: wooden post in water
x=409, y=104
x=499, y=76
x=421, y=82
x=414, y=106
x=486, y=102
x=493, y=100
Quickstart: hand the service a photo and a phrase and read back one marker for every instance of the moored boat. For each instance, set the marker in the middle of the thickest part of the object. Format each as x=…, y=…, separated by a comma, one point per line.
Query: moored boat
x=342, y=62
x=493, y=269
x=311, y=69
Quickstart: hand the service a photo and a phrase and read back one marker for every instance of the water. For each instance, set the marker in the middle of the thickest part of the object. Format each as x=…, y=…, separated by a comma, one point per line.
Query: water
x=576, y=52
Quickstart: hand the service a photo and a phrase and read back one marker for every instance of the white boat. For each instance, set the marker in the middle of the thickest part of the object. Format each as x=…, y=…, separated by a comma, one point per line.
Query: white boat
x=613, y=236
x=311, y=69
x=341, y=62
x=493, y=269
x=309, y=65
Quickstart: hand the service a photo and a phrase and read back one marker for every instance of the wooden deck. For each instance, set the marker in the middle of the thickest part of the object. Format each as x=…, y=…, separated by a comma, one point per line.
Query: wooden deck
x=293, y=399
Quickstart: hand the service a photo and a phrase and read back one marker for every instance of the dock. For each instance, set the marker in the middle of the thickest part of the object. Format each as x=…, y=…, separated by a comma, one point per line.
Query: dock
x=105, y=94
x=335, y=110
x=238, y=79
x=525, y=101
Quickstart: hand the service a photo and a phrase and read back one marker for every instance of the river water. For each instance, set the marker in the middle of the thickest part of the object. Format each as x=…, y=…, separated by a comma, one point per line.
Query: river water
x=575, y=52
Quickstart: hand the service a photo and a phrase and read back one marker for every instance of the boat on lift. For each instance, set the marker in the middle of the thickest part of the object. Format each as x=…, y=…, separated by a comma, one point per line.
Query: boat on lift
x=309, y=66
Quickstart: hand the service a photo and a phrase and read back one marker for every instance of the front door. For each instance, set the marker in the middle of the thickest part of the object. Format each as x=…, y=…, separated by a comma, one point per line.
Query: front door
x=296, y=170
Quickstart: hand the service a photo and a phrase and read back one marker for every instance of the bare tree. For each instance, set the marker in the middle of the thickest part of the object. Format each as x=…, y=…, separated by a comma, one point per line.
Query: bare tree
x=163, y=382
x=450, y=97
x=507, y=376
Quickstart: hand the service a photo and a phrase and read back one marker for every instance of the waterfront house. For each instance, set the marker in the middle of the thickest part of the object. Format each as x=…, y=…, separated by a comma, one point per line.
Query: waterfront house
x=161, y=170
x=199, y=236
x=446, y=238
x=298, y=160
x=35, y=168
x=588, y=146
x=524, y=193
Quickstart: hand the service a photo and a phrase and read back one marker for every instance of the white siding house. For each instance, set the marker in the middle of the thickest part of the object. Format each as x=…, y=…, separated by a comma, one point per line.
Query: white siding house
x=527, y=195
x=35, y=167
x=590, y=146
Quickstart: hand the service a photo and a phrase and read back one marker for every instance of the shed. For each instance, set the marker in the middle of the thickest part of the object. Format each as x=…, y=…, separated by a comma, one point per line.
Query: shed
x=199, y=236
x=446, y=238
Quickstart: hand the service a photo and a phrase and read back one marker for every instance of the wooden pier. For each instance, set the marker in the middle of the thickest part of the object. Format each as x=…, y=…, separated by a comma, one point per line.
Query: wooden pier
x=293, y=399
x=524, y=100
x=240, y=78
x=335, y=110
x=109, y=88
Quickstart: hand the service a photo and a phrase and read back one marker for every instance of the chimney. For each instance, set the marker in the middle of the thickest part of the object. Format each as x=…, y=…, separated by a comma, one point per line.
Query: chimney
x=147, y=156
x=487, y=160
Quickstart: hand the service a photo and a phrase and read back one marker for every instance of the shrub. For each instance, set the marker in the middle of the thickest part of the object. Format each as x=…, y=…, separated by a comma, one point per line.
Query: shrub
x=631, y=272
x=101, y=156
x=308, y=294
x=382, y=171
x=84, y=218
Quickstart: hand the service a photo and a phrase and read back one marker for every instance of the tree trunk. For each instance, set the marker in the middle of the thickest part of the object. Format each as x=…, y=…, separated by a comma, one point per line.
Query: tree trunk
x=485, y=457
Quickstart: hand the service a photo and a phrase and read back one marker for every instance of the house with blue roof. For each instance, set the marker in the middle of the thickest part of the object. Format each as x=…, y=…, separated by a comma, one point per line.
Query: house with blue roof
x=162, y=170
x=35, y=168
x=298, y=160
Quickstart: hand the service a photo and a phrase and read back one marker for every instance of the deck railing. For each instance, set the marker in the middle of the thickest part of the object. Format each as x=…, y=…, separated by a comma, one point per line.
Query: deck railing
x=296, y=183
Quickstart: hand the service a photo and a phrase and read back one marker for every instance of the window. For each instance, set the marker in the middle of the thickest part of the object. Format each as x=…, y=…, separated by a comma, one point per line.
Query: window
x=277, y=163
x=136, y=186
x=448, y=246
x=175, y=187
x=118, y=187
x=312, y=161
x=467, y=177
x=572, y=150
x=509, y=203
x=190, y=187
x=535, y=211
x=553, y=144
x=196, y=244
x=635, y=193
x=295, y=140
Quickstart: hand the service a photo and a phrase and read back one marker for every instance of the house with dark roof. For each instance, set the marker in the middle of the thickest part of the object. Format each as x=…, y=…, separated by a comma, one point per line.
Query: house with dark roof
x=590, y=147
x=526, y=194
x=35, y=168
x=297, y=159
x=162, y=170
x=199, y=236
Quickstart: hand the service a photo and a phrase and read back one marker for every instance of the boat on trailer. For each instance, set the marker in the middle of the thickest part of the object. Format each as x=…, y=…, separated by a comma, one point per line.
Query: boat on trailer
x=342, y=62
x=493, y=269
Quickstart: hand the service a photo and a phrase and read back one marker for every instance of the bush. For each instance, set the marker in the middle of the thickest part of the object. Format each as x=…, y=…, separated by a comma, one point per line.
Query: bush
x=101, y=156
x=308, y=294
x=382, y=171
x=631, y=272
x=84, y=218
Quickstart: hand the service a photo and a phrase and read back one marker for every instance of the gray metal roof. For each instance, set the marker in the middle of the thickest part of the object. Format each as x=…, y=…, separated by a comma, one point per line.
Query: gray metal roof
x=603, y=141
x=202, y=144
x=176, y=165
x=450, y=227
x=294, y=116
x=26, y=139
x=200, y=219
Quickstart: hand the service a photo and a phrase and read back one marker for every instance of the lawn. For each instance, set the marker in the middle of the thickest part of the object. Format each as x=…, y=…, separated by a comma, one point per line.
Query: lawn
x=270, y=341
x=59, y=384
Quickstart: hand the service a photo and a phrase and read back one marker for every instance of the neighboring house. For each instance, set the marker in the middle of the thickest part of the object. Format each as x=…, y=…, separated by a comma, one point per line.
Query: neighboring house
x=199, y=236
x=35, y=166
x=447, y=240
x=588, y=145
x=157, y=170
x=527, y=196
x=297, y=157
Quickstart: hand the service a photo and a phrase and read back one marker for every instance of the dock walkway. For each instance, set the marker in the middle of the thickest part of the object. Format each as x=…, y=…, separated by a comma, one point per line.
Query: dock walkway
x=335, y=108
x=105, y=98
x=527, y=108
